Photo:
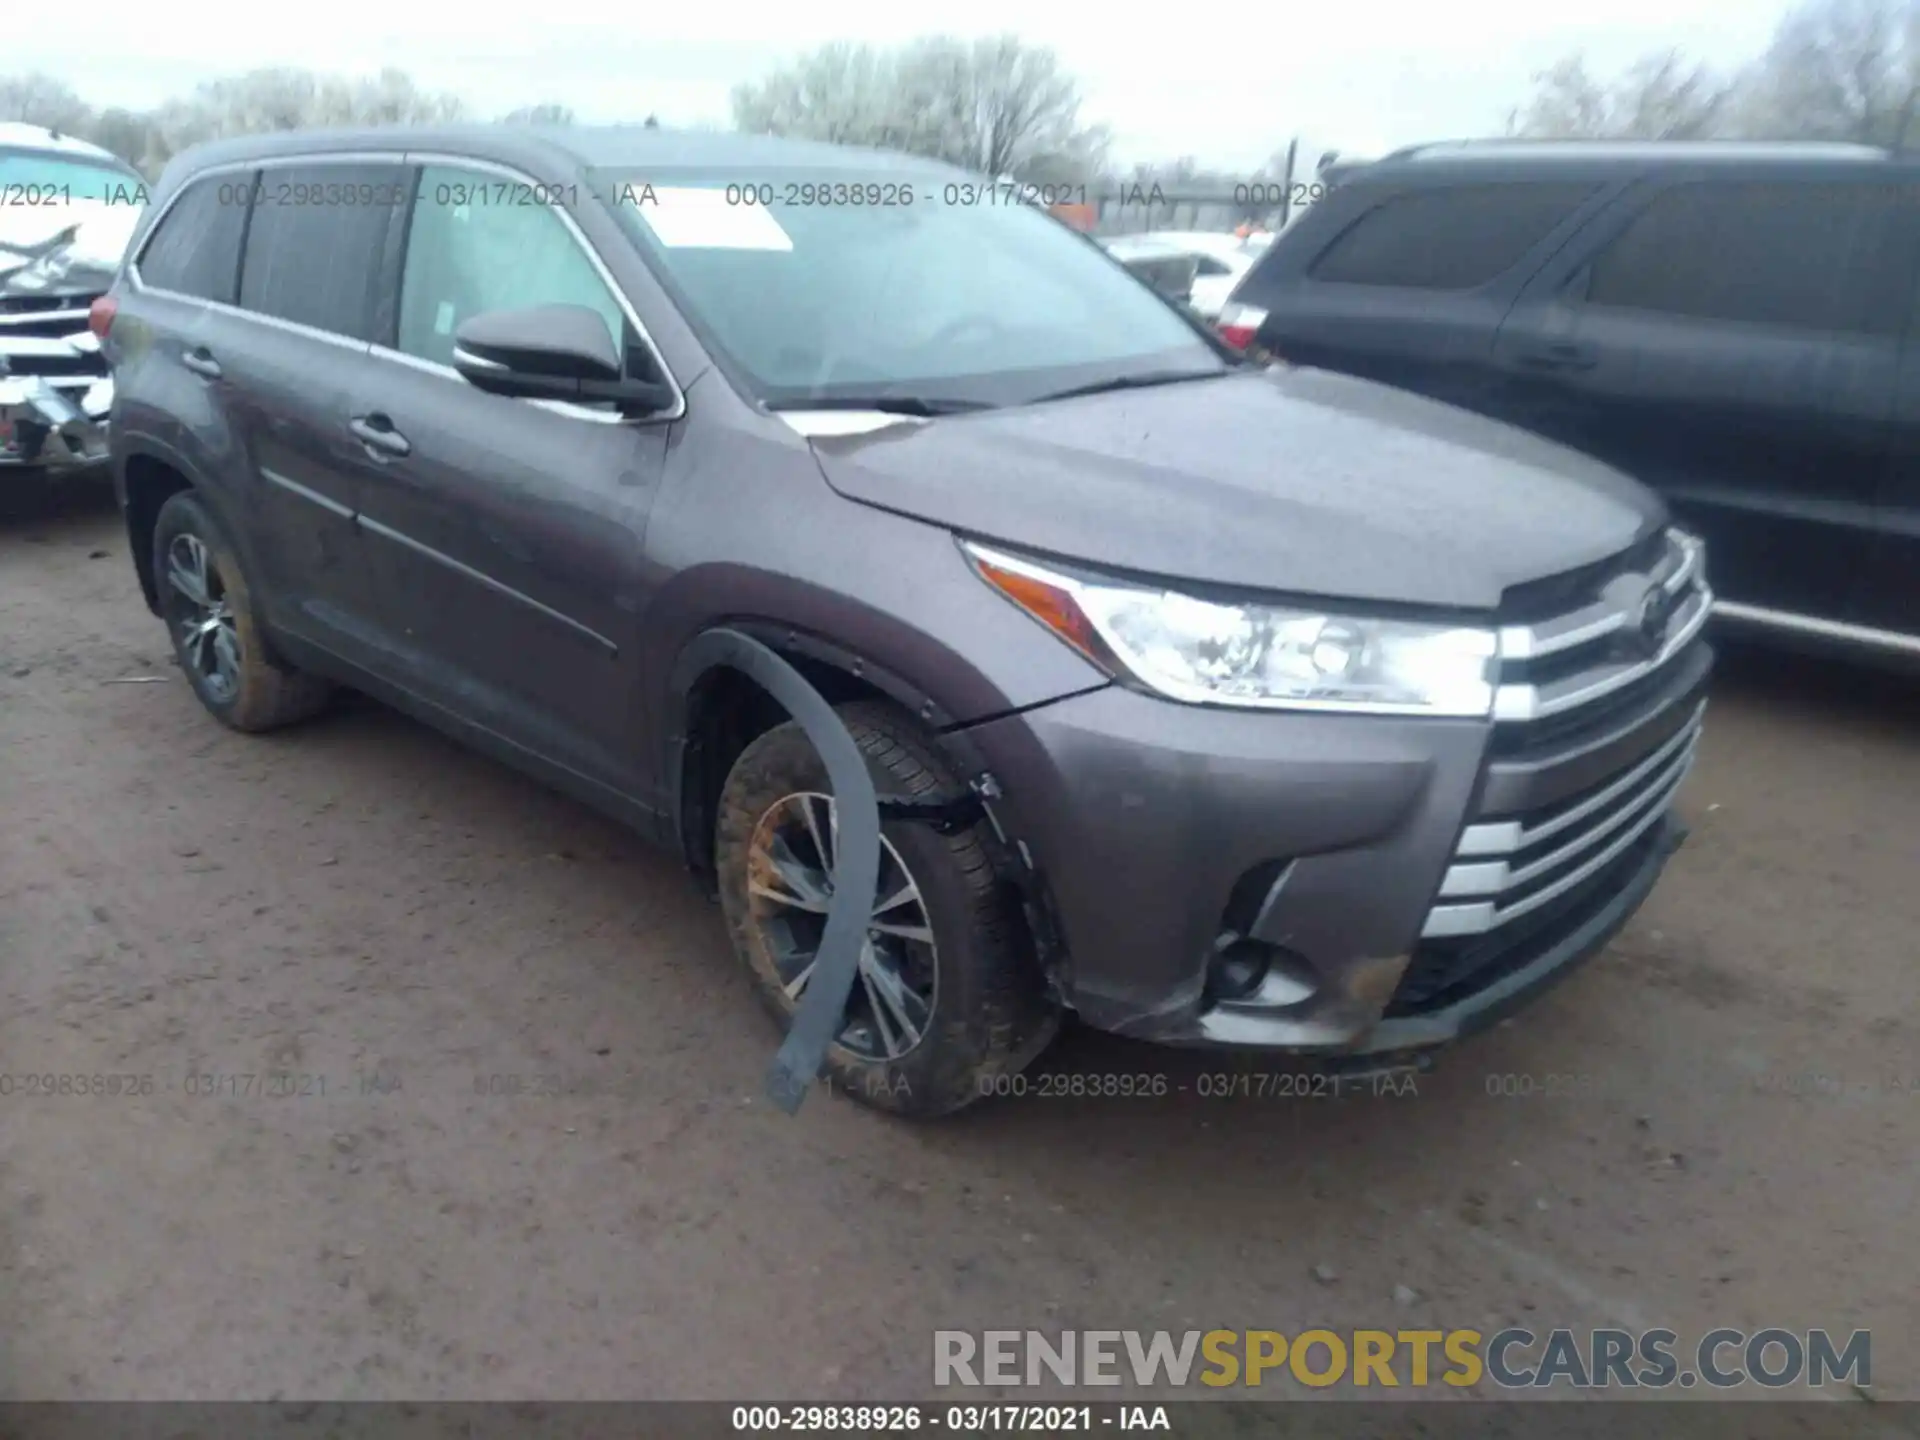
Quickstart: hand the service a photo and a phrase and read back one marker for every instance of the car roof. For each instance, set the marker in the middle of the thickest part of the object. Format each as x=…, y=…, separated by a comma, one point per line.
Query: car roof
x=16, y=136
x=546, y=148
x=1143, y=246
x=1549, y=159
x=1211, y=241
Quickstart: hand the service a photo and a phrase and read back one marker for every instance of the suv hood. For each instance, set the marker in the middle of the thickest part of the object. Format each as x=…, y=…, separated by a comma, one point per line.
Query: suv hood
x=63, y=249
x=1293, y=481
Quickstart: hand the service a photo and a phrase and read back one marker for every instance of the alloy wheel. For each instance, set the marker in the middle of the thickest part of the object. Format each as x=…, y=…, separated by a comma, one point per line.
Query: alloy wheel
x=790, y=885
x=202, y=617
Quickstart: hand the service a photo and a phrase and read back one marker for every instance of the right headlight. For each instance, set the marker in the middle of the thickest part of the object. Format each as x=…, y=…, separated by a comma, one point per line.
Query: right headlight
x=1260, y=656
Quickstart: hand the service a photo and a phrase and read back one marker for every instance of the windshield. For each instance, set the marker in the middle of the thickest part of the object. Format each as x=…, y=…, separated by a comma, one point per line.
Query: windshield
x=40, y=177
x=819, y=288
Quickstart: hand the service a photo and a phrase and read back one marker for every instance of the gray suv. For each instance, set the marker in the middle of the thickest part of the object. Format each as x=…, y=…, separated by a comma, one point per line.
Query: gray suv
x=1219, y=705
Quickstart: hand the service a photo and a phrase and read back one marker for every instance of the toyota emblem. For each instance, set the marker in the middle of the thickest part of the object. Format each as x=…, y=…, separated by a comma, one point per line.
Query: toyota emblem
x=1655, y=612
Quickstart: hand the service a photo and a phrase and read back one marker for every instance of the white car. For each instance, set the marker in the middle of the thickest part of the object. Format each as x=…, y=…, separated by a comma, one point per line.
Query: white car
x=67, y=211
x=1219, y=262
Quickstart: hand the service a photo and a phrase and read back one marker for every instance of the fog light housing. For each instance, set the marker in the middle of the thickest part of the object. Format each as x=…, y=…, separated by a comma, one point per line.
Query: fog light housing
x=1237, y=967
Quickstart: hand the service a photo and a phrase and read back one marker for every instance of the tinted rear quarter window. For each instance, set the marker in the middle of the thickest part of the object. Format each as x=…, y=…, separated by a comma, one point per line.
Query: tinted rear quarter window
x=1448, y=239
x=317, y=246
x=195, y=249
x=1821, y=257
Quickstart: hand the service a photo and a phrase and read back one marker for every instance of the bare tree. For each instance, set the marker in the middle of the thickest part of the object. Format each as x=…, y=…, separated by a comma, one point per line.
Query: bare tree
x=1660, y=97
x=1837, y=70
x=996, y=106
x=539, y=115
x=37, y=98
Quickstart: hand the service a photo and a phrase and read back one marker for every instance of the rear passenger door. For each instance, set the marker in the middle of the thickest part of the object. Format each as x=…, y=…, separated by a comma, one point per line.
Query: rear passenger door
x=1409, y=289
x=310, y=300
x=1735, y=344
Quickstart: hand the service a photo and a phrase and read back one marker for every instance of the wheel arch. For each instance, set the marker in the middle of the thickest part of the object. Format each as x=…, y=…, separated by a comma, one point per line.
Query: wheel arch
x=150, y=474
x=715, y=709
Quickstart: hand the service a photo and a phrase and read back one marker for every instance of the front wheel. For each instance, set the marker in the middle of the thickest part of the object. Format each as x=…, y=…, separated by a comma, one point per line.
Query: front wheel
x=948, y=998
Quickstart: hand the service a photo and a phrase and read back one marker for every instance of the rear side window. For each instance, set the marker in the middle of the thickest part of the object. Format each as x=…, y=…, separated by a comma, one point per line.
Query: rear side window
x=317, y=244
x=1803, y=257
x=195, y=249
x=1453, y=239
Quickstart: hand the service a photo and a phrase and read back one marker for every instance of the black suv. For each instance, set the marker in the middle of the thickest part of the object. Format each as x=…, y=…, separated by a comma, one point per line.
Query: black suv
x=1731, y=324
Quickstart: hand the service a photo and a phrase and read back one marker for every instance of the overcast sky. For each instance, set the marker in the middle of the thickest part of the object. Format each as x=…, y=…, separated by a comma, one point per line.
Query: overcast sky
x=1226, y=83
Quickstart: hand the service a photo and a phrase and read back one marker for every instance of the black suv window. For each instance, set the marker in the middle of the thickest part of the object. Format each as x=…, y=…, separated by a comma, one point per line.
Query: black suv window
x=317, y=243
x=195, y=249
x=1806, y=257
x=1451, y=239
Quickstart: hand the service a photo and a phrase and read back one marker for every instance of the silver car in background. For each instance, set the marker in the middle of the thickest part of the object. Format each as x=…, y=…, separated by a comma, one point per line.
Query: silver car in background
x=67, y=211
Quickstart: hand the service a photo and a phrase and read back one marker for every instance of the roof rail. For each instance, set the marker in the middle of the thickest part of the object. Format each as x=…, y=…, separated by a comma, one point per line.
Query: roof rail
x=1640, y=149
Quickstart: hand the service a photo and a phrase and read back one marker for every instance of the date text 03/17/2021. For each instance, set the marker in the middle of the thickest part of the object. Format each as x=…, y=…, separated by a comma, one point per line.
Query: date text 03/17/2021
x=965, y=1419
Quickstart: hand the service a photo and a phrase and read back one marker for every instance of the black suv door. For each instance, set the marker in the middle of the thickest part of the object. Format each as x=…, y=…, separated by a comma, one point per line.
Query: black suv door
x=1889, y=600
x=1734, y=343
x=1408, y=287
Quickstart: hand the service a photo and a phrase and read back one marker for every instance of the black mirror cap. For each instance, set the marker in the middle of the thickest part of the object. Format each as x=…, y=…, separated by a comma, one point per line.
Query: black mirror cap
x=552, y=352
x=548, y=342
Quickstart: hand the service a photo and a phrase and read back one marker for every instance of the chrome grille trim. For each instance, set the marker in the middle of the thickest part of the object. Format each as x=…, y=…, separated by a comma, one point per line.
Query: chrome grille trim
x=1504, y=837
x=25, y=318
x=1509, y=866
x=1523, y=700
x=1478, y=917
x=1496, y=877
x=1600, y=619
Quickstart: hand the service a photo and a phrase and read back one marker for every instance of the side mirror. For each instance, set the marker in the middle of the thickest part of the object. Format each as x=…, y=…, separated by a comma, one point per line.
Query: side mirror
x=551, y=352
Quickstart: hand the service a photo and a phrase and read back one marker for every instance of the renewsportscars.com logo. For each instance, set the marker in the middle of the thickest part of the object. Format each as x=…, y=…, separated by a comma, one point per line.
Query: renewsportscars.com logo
x=1512, y=1359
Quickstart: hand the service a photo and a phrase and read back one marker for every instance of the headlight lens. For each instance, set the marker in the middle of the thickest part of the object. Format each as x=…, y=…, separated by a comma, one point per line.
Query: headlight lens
x=1262, y=656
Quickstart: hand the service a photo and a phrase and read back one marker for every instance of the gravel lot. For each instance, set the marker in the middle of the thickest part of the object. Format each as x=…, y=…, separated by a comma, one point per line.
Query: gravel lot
x=361, y=901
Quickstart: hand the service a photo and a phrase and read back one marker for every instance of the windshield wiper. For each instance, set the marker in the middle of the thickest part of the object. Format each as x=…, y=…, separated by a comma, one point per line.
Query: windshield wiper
x=1146, y=379
x=922, y=405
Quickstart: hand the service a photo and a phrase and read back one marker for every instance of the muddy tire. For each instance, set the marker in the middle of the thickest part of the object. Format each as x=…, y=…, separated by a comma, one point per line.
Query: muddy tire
x=215, y=628
x=973, y=988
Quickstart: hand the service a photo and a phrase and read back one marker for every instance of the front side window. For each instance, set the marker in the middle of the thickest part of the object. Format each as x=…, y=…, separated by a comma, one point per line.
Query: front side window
x=195, y=248
x=823, y=287
x=317, y=243
x=1803, y=257
x=466, y=257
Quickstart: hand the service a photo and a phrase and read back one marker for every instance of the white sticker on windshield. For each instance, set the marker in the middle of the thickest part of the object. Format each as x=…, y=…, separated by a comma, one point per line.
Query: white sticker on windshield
x=686, y=218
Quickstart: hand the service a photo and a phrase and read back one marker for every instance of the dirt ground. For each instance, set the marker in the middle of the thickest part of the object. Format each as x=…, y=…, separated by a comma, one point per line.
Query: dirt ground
x=361, y=903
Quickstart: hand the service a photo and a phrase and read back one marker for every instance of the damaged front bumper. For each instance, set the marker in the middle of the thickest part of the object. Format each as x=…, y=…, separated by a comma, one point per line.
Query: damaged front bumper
x=1285, y=882
x=53, y=426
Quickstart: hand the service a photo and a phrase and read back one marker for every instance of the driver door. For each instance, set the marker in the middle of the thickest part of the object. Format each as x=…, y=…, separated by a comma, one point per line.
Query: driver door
x=507, y=532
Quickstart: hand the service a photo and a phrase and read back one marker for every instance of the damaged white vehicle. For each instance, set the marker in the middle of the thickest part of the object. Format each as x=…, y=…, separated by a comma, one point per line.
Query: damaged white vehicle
x=67, y=211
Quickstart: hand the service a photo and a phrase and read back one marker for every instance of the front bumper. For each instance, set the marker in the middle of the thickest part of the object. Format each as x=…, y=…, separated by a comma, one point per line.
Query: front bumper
x=49, y=427
x=1160, y=831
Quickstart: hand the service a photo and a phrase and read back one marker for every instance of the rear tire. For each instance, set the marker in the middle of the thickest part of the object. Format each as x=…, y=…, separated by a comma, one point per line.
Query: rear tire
x=975, y=988
x=217, y=637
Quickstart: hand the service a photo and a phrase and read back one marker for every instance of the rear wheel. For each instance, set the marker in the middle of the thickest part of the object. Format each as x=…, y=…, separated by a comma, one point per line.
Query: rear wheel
x=947, y=997
x=216, y=631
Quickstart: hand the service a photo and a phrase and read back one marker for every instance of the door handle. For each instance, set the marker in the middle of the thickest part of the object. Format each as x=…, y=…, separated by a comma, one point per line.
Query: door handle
x=376, y=432
x=1561, y=355
x=200, y=360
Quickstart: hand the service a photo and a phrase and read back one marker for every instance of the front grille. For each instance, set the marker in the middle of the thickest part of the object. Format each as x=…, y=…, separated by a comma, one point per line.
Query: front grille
x=1588, y=678
x=46, y=336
